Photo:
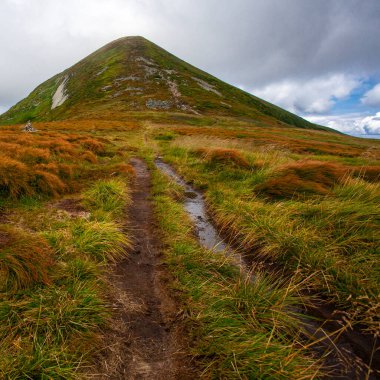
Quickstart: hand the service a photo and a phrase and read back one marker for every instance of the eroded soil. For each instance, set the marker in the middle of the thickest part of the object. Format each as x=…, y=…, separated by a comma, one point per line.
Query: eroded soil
x=147, y=339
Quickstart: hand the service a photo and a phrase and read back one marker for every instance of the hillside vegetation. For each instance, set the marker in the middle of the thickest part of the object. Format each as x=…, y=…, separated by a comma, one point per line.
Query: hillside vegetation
x=299, y=202
x=52, y=252
x=134, y=75
x=318, y=213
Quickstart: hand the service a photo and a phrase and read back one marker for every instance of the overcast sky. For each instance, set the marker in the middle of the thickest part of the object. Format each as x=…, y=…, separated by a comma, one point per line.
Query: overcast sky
x=317, y=58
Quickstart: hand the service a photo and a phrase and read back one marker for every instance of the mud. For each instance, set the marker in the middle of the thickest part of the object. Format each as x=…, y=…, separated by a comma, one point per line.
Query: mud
x=347, y=355
x=148, y=339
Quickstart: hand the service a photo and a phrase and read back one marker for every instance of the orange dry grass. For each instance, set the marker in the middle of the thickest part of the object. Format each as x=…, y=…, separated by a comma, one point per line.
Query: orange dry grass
x=25, y=259
x=294, y=140
x=123, y=170
x=89, y=157
x=32, y=163
x=304, y=177
x=368, y=173
x=25, y=154
x=14, y=177
x=224, y=156
x=93, y=145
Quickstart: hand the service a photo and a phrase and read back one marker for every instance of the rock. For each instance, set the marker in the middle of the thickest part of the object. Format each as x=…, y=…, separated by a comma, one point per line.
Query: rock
x=158, y=104
x=28, y=127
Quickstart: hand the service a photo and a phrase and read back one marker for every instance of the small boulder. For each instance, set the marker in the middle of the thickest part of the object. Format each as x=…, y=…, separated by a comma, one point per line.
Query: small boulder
x=29, y=127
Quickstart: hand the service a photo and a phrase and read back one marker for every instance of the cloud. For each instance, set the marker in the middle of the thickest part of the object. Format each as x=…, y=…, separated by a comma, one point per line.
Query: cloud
x=317, y=95
x=309, y=52
x=372, y=97
x=354, y=124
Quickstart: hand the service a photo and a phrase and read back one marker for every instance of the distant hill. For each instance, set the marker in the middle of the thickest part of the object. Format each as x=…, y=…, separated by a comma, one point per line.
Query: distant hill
x=133, y=74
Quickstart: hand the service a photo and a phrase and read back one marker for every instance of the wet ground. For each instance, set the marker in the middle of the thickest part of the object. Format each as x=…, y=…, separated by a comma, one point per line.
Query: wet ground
x=346, y=354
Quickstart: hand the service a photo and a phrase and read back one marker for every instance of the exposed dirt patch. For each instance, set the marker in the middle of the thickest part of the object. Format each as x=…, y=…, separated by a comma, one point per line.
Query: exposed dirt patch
x=73, y=207
x=147, y=340
x=4, y=239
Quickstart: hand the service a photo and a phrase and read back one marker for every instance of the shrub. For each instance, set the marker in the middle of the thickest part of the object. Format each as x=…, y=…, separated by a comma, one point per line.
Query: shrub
x=305, y=177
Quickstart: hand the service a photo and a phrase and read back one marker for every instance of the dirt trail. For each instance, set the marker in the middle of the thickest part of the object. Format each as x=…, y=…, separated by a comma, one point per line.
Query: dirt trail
x=147, y=340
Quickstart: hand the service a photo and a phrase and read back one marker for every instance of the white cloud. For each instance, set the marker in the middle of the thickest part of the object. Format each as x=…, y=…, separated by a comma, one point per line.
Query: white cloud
x=372, y=97
x=317, y=95
x=354, y=124
x=252, y=42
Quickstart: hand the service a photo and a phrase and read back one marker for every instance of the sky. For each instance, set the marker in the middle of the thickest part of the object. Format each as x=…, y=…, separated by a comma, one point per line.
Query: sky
x=317, y=58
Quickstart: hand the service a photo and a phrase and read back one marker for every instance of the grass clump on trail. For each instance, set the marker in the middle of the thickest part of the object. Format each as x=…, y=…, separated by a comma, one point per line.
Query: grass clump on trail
x=240, y=329
x=108, y=196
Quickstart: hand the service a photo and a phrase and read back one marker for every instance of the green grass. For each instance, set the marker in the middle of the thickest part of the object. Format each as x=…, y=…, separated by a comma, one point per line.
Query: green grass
x=334, y=235
x=54, y=296
x=88, y=96
x=108, y=197
x=239, y=329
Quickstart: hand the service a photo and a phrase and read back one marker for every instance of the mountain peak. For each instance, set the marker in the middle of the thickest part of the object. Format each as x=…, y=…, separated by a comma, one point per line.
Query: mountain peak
x=132, y=74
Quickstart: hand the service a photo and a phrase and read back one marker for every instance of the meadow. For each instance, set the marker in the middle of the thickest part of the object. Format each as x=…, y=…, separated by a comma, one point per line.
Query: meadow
x=61, y=224
x=313, y=209
x=305, y=201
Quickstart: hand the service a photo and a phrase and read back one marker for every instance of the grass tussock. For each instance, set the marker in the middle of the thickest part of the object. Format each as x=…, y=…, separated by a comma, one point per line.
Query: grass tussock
x=368, y=173
x=109, y=196
x=305, y=177
x=25, y=259
x=104, y=240
x=223, y=156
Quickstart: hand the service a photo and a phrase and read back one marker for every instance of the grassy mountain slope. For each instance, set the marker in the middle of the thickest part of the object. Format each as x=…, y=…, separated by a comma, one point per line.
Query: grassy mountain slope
x=133, y=74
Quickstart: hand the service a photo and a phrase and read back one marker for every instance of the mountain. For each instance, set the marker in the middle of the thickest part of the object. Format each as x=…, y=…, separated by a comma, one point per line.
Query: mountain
x=132, y=74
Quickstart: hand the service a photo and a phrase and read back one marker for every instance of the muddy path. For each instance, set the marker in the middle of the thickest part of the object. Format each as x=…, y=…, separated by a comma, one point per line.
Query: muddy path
x=147, y=339
x=348, y=355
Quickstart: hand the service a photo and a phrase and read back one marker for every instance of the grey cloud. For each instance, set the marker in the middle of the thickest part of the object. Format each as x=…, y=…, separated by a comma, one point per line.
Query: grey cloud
x=252, y=43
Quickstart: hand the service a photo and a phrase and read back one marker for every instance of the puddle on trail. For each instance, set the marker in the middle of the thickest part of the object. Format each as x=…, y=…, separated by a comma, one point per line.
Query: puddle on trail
x=195, y=206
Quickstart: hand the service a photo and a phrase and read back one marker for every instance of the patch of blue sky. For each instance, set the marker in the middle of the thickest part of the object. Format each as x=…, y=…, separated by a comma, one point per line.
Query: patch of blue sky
x=353, y=103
